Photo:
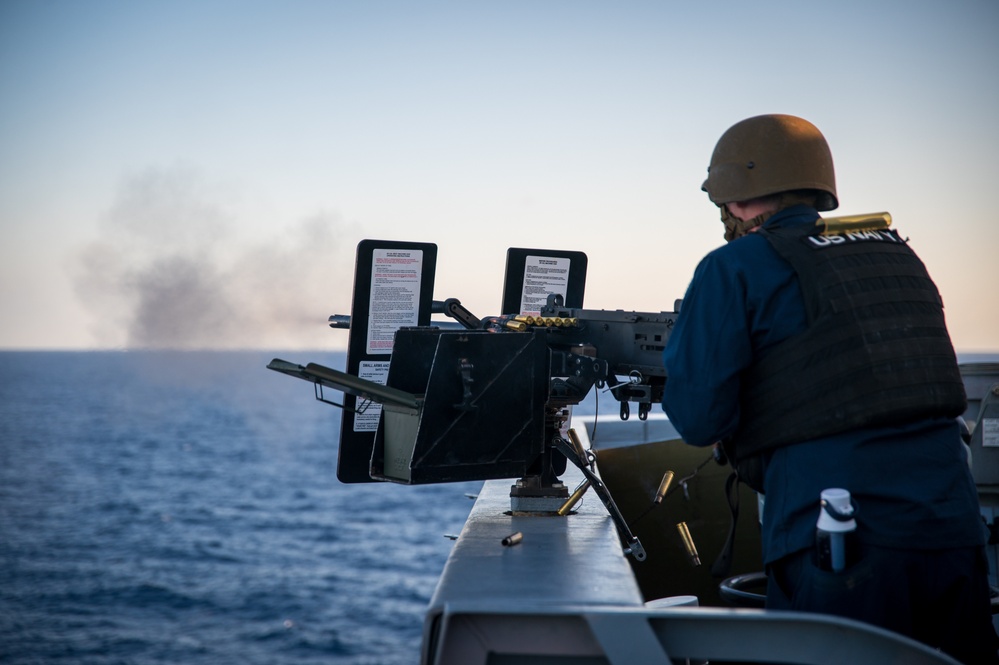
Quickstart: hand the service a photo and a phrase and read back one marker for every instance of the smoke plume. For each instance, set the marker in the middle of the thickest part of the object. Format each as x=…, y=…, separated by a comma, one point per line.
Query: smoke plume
x=171, y=270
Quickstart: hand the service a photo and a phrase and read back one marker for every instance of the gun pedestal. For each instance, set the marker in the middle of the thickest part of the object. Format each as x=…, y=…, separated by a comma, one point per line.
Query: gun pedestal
x=541, y=490
x=531, y=494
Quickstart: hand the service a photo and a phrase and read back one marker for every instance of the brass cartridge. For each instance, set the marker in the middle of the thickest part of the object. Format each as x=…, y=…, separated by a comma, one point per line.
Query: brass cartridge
x=874, y=221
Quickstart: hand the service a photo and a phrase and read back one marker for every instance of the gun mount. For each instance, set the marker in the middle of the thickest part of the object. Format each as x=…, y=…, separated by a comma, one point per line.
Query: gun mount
x=482, y=398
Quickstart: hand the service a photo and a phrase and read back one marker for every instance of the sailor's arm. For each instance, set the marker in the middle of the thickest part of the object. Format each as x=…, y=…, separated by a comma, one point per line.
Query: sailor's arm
x=705, y=355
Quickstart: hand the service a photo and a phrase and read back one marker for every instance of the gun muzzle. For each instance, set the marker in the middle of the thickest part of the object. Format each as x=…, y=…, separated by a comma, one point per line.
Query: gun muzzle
x=340, y=321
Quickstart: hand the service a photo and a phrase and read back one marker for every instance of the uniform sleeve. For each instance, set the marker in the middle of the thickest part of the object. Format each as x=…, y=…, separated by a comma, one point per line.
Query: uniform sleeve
x=706, y=352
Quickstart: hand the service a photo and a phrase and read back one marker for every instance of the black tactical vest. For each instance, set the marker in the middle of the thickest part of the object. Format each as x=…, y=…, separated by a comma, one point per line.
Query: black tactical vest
x=876, y=350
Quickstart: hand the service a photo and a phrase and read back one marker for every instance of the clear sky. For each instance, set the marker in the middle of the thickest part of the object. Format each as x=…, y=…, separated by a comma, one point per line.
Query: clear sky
x=198, y=173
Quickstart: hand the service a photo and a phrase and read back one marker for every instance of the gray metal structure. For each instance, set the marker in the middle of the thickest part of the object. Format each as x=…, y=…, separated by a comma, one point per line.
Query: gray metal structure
x=566, y=594
x=618, y=636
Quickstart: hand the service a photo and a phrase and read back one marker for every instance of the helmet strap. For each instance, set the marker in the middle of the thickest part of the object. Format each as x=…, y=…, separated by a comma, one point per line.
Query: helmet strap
x=736, y=228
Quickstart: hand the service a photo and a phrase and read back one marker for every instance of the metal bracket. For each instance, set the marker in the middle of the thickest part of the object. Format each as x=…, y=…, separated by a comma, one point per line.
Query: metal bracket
x=363, y=403
x=465, y=368
x=633, y=545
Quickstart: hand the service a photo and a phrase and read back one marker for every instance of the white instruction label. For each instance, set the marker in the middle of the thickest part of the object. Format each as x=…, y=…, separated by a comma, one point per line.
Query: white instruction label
x=543, y=275
x=990, y=432
x=378, y=373
x=395, y=295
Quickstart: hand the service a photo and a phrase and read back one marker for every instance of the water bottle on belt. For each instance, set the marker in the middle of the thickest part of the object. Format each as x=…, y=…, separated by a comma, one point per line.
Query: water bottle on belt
x=835, y=537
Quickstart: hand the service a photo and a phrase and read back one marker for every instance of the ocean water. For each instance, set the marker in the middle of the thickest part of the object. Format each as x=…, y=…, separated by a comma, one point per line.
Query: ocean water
x=183, y=507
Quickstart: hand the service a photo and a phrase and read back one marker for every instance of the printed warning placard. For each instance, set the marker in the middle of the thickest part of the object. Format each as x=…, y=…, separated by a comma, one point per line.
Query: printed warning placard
x=543, y=275
x=395, y=295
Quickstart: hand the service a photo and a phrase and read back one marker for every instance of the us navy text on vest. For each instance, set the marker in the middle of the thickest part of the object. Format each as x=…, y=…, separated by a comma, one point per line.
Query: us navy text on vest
x=821, y=241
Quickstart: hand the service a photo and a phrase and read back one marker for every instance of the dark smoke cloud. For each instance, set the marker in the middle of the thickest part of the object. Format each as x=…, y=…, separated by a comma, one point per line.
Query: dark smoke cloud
x=170, y=270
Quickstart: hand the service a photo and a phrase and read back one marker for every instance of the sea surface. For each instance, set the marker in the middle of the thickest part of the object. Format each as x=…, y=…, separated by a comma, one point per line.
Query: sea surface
x=183, y=507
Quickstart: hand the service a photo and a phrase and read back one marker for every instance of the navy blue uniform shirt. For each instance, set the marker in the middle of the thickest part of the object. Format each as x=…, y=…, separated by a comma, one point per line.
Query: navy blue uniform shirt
x=912, y=483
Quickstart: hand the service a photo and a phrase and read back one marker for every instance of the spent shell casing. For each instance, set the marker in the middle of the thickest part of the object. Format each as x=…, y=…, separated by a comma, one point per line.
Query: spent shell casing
x=664, y=486
x=574, y=499
x=688, y=543
x=513, y=539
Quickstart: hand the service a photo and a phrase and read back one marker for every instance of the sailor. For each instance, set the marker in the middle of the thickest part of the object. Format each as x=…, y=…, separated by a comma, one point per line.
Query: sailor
x=823, y=361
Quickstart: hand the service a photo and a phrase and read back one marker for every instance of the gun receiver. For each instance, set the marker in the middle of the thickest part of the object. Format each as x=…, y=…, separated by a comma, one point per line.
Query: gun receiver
x=619, y=349
x=614, y=348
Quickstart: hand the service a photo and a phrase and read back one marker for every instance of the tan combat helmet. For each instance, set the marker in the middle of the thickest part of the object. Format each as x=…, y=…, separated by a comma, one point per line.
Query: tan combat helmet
x=768, y=154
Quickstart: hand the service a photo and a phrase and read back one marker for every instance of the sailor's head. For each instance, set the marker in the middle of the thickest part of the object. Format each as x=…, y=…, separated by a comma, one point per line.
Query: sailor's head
x=766, y=163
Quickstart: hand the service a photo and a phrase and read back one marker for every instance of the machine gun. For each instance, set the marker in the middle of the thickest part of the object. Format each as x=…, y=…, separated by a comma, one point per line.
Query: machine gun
x=483, y=398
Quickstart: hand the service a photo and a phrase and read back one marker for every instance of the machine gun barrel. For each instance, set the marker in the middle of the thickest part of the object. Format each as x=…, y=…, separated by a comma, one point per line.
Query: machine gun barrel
x=452, y=307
